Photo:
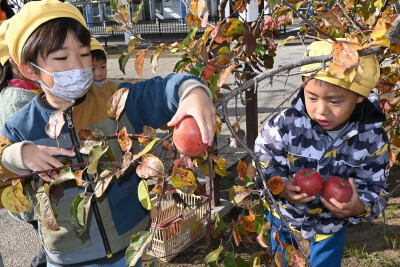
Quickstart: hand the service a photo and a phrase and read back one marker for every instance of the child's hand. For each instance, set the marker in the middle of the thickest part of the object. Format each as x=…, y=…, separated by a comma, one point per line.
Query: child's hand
x=39, y=158
x=199, y=105
x=341, y=210
x=290, y=193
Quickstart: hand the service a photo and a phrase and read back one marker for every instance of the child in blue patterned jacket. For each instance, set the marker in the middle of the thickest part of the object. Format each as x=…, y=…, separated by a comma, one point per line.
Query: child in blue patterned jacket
x=332, y=127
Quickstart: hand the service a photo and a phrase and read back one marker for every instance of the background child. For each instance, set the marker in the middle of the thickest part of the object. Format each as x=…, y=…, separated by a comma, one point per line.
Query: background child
x=99, y=60
x=50, y=42
x=331, y=127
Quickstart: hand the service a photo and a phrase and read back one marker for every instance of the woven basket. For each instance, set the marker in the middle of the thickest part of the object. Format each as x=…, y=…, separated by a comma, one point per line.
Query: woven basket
x=173, y=233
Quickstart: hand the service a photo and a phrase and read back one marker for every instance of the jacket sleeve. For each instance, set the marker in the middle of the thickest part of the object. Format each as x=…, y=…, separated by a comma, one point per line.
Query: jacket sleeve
x=271, y=150
x=155, y=101
x=371, y=180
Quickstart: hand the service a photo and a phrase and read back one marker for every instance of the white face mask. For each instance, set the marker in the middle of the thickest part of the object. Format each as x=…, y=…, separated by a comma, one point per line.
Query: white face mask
x=69, y=85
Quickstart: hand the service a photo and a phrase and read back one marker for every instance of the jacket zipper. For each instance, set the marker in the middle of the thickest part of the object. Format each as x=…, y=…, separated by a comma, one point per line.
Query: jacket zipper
x=94, y=205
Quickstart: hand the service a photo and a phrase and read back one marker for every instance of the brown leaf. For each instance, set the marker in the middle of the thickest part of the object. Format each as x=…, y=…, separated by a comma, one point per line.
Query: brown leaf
x=151, y=167
x=384, y=85
x=240, y=5
x=147, y=131
x=56, y=122
x=385, y=105
x=249, y=43
x=44, y=208
x=236, y=234
x=78, y=177
x=279, y=259
x=275, y=184
x=332, y=18
x=93, y=134
x=124, y=141
x=184, y=180
x=248, y=221
x=102, y=184
x=139, y=61
x=251, y=172
x=241, y=169
x=192, y=21
x=116, y=104
x=260, y=236
x=224, y=75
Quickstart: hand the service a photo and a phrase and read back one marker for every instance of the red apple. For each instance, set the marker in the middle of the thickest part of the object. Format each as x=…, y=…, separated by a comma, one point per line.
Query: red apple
x=310, y=181
x=187, y=137
x=337, y=188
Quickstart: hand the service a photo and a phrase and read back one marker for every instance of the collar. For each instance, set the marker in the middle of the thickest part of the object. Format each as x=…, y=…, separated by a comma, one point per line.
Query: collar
x=25, y=84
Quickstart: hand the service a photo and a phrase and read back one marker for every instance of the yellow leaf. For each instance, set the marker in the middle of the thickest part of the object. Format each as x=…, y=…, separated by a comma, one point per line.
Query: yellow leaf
x=14, y=200
x=380, y=30
x=144, y=196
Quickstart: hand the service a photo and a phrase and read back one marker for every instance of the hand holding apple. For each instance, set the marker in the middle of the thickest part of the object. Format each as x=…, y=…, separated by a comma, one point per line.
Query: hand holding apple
x=353, y=207
x=310, y=181
x=292, y=193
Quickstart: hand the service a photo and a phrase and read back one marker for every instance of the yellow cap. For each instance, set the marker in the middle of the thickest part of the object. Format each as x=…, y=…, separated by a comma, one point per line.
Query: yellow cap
x=4, y=53
x=95, y=45
x=30, y=17
x=367, y=71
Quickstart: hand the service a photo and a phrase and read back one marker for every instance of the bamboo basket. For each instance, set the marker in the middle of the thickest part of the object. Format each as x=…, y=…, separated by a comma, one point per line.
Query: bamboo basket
x=173, y=233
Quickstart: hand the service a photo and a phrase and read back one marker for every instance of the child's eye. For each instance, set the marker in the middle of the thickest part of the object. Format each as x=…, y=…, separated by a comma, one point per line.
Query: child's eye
x=335, y=102
x=85, y=55
x=60, y=58
x=312, y=98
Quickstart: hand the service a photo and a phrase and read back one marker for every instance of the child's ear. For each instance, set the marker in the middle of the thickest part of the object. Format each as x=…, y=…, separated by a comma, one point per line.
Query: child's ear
x=360, y=99
x=28, y=71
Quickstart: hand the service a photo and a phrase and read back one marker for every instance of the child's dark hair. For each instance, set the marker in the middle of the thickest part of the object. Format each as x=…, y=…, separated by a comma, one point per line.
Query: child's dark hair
x=98, y=55
x=50, y=37
x=6, y=74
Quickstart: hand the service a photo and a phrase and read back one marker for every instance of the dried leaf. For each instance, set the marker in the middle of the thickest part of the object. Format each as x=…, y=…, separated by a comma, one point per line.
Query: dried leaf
x=249, y=43
x=139, y=61
x=293, y=258
x=150, y=167
x=155, y=57
x=147, y=131
x=116, y=104
x=103, y=183
x=260, y=236
x=238, y=193
x=184, y=180
x=78, y=177
x=224, y=75
x=13, y=198
x=332, y=18
x=241, y=169
x=236, y=234
x=124, y=141
x=276, y=184
x=285, y=41
x=93, y=134
x=240, y=5
x=44, y=208
x=55, y=125
x=384, y=85
x=204, y=21
x=380, y=30
x=251, y=171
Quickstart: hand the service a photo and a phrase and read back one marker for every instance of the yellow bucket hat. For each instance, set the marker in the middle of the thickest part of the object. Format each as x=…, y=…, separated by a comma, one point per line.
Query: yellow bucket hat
x=4, y=53
x=30, y=17
x=368, y=67
x=95, y=45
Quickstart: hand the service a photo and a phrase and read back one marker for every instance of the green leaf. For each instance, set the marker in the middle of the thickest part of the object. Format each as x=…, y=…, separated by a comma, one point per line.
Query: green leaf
x=144, y=196
x=197, y=70
x=44, y=208
x=94, y=157
x=213, y=85
x=223, y=51
x=255, y=259
x=113, y=5
x=214, y=255
x=260, y=49
x=234, y=26
x=146, y=149
x=64, y=175
x=258, y=224
x=219, y=225
x=79, y=212
x=181, y=64
x=273, y=3
x=123, y=59
x=136, y=13
x=137, y=247
x=229, y=260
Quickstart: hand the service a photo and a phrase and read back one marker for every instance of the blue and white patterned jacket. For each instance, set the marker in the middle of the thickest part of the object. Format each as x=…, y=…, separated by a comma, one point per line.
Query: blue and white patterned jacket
x=292, y=141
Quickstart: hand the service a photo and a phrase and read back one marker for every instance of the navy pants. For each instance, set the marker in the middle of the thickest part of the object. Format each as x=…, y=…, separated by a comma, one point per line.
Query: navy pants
x=325, y=253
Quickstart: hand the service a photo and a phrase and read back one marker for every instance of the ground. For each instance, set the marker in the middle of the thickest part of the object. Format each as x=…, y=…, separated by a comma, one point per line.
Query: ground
x=367, y=244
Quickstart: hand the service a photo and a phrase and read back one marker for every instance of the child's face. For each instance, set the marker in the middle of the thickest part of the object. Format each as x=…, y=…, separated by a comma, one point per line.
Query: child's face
x=99, y=70
x=73, y=55
x=329, y=105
